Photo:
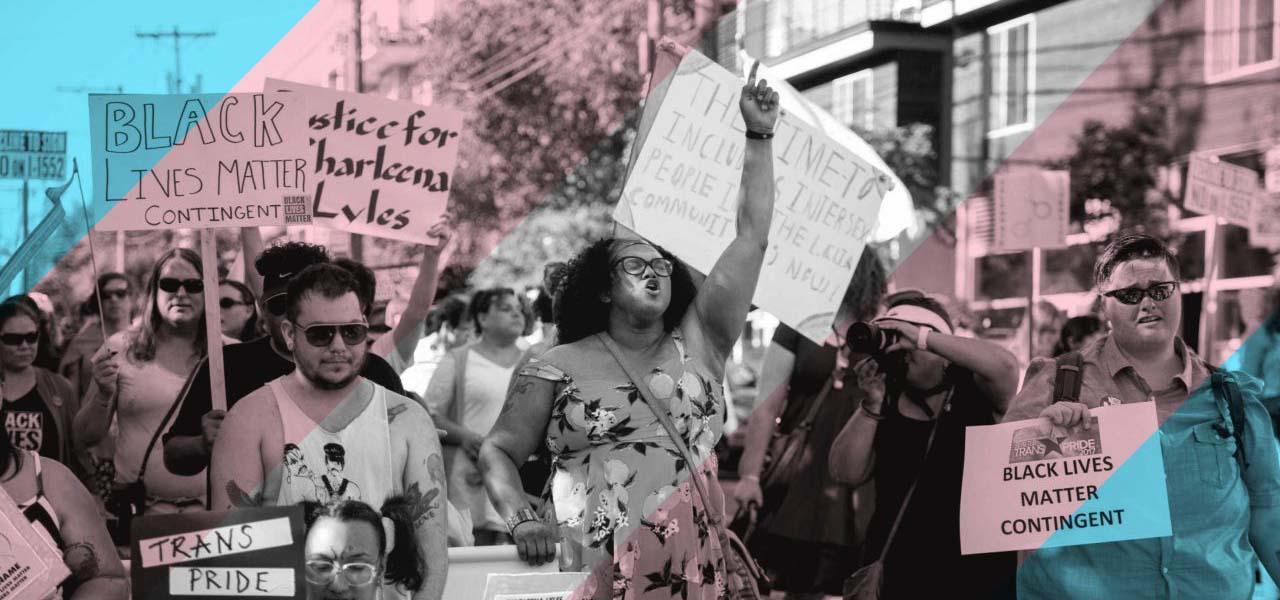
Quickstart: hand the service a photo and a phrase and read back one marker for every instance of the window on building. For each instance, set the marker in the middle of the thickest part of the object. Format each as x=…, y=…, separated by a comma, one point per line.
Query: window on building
x=776, y=25
x=1012, y=64
x=852, y=100
x=1240, y=37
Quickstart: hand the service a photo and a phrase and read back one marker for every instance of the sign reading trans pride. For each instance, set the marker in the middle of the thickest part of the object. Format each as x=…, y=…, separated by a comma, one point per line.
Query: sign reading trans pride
x=1029, y=484
x=682, y=193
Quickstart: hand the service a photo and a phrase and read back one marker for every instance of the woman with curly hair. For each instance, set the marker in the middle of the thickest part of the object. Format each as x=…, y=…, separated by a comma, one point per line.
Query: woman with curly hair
x=625, y=508
x=351, y=547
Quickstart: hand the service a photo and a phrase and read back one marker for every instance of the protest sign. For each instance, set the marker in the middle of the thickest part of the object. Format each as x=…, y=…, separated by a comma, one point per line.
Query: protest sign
x=30, y=565
x=33, y=154
x=1221, y=189
x=1028, y=484
x=378, y=167
x=532, y=586
x=244, y=553
x=196, y=160
x=1032, y=208
x=471, y=567
x=1264, y=228
x=682, y=193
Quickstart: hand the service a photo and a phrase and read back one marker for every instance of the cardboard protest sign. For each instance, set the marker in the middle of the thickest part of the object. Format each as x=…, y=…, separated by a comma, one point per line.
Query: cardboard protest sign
x=380, y=167
x=30, y=565
x=1264, y=228
x=470, y=569
x=1028, y=484
x=682, y=193
x=1032, y=209
x=243, y=553
x=1221, y=189
x=196, y=160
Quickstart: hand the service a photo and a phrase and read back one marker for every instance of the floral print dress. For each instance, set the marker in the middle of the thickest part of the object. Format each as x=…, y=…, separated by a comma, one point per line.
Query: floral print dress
x=625, y=506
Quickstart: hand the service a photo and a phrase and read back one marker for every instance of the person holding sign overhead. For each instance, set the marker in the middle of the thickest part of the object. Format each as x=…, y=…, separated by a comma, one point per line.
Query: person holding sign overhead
x=626, y=506
x=1222, y=471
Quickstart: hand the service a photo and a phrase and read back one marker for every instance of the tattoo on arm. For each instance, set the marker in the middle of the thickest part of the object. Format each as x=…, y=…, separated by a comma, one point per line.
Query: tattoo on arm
x=435, y=469
x=422, y=507
x=523, y=385
x=82, y=560
x=241, y=499
x=395, y=411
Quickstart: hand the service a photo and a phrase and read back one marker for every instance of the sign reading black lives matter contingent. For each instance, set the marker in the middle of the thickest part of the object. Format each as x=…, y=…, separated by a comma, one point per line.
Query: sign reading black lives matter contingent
x=246, y=553
x=30, y=565
x=1029, y=484
x=380, y=167
x=682, y=193
x=196, y=161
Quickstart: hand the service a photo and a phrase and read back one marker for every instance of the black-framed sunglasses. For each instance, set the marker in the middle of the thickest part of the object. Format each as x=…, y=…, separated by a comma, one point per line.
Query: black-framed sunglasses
x=277, y=305
x=171, y=285
x=634, y=265
x=17, y=339
x=226, y=303
x=1133, y=295
x=358, y=574
x=321, y=335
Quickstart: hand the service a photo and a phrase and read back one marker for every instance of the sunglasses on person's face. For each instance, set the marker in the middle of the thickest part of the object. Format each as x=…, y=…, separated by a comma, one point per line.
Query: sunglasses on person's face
x=119, y=294
x=17, y=339
x=1133, y=295
x=321, y=335
x=634, y=265
x=277, y=304
x=226, y=303
x=170, y=285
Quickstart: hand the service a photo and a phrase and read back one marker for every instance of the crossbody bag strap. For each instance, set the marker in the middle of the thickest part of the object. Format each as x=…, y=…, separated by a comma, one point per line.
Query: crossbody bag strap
x=665, y=420
x=906, y=501
x=186, y=387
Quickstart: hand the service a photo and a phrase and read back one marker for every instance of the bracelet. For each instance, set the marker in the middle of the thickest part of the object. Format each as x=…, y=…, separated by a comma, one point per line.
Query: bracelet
x=875, y=416
x=755, y=478
x=922, y=338
x=521, y=517
x=759, y=135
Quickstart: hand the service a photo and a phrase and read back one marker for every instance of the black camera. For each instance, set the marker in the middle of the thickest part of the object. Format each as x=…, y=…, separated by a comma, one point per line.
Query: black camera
x=869, y=338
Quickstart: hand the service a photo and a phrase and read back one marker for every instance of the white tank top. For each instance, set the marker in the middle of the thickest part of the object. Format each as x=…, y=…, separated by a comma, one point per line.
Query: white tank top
x=354, y=463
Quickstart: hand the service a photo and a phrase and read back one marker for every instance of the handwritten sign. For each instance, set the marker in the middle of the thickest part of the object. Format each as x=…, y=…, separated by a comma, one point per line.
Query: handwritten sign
x=1264, y=228
x=381, y=167
x=1221, y=189
x=682, y=193
x=33, y=154
x=30, y=564
x=1028, y=484
x=244, y=553
x=194, y=160
x=1032, y=209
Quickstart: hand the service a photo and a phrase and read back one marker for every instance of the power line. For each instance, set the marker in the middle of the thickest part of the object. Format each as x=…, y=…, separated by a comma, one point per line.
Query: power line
x=175, y=86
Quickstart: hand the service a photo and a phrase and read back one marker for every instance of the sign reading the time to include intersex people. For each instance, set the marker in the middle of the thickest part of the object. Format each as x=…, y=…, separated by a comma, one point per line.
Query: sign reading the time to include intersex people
x=1029, y=484
x=380, y=167
x=196, y=160
x=246, y=553
x=682, y=193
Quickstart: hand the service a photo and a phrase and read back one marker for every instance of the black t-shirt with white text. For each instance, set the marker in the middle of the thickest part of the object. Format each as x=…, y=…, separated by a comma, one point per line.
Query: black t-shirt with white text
x=31, y=426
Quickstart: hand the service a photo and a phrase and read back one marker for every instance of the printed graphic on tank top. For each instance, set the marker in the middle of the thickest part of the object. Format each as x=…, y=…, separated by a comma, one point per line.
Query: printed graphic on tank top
x=319, y=465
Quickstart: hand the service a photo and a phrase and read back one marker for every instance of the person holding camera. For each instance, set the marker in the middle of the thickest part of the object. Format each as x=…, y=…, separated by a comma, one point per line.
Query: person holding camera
x=921, y=388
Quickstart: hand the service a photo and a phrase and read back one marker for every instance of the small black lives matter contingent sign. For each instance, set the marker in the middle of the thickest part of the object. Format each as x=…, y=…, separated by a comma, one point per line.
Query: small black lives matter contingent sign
x=250, y=553
x=296, y=210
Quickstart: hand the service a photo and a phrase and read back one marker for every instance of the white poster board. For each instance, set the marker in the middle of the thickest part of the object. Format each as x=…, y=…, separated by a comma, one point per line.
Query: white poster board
x=1221, y=189
x=470, y=569
x=682, y=193
x=379, y=167
x=1264, y=228
x=30, y=565
x=1032, y=209
x=1029, y=485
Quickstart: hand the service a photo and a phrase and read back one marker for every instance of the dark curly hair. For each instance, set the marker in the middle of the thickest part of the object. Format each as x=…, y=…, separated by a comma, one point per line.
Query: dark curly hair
x=401, y=566
x=578, y=308
x=282, y=261
x=366, y=282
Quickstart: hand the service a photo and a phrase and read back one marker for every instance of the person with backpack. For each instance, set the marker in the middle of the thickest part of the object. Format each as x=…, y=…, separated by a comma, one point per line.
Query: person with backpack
x=1221, y=466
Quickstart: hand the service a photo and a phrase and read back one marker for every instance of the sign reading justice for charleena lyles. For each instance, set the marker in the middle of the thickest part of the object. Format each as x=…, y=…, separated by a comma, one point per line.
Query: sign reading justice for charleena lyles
x=196, y=161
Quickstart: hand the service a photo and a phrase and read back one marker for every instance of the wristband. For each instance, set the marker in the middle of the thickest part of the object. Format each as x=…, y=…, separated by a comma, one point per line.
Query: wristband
x=759, y=135
x=755, y=478
x=922, y=338
x=875, y=416
x=521, y=517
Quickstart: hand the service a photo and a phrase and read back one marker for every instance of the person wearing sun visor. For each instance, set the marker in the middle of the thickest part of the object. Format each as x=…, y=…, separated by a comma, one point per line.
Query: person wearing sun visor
x=1213, y=435
x=922, y=387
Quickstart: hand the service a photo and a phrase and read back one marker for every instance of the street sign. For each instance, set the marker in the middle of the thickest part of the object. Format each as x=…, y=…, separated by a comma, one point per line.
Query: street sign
x=1032, y=210
x=33, y=154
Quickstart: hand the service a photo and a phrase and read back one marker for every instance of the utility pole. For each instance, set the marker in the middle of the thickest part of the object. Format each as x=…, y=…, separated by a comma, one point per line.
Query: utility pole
x=175, y=82
x=357, y=78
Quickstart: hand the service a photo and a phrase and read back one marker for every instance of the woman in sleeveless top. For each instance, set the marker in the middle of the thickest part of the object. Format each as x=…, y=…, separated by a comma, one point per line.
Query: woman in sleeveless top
x=625, y=508
x=138, y=376
x=66, y=516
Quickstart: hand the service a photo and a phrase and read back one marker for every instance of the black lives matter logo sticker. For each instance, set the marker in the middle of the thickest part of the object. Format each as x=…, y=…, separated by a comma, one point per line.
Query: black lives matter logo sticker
x=296, y=210
x=1047, y=442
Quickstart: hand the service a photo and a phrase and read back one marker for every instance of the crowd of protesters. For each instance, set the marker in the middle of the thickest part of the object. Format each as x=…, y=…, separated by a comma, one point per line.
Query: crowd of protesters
x=579, y=421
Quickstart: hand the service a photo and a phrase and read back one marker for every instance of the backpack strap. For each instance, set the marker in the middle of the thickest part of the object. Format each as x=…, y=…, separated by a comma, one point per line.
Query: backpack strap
x=1069, y=377
x=1226, y=387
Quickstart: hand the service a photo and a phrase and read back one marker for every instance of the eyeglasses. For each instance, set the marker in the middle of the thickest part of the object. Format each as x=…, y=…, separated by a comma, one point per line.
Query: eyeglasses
x=321, y=335
x=634, y=265
x=16, y=339
x=323, y=572
x=277, y=305
x=116, y=294
x=170, y=285
x=1133, y=295
x=226, y=303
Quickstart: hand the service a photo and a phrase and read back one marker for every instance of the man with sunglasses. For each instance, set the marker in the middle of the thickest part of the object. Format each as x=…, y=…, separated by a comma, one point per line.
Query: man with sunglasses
x=1224, y=517
x=367, y=441
x=248, y=366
